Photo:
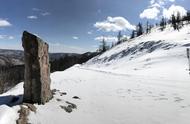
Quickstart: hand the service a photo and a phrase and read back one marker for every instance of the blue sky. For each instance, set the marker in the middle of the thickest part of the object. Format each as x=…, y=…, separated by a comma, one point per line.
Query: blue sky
x=78, y=25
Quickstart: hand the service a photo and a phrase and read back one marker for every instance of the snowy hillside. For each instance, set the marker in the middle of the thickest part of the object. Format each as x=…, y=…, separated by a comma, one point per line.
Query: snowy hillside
x=144, y=81
x=160, y=53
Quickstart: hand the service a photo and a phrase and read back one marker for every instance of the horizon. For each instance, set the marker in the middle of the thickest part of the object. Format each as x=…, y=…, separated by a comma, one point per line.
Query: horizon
x=78, y=26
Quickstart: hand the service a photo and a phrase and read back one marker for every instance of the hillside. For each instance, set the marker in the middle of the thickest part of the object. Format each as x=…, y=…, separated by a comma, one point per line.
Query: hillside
x=16, y=57
x=143, y=81
x=160, y=53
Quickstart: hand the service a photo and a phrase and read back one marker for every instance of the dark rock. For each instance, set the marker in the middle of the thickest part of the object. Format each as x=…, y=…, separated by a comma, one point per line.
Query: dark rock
x=76, y=97
x=63, y=93
x=37, y=70
x=67, y=109
x=72, y=105
x=58, y=100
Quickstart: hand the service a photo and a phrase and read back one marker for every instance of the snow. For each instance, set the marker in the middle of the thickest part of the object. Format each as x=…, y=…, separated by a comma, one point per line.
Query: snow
x=144, y=81
x=107, y=98
x=7, y=115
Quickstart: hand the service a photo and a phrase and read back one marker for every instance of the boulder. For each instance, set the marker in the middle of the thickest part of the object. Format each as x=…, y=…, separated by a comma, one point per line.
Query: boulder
x=37, y=70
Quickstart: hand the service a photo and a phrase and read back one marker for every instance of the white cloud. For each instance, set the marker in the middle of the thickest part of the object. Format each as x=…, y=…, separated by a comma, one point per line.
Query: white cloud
x=45, y=13
x=32, y=17
x=4, y=23
x=152, y=1
x=7, y=37
x=172, y=0
x=75, y=37
x=160, y=2
x=173, y=9
x=153, y=11
x=10, y=37
x=155, y=5
x=36, y=9
x=114, y=24
x=150, y=13
x=106, y=38
x=2, y=36
x=58, y=47
x=89, y=32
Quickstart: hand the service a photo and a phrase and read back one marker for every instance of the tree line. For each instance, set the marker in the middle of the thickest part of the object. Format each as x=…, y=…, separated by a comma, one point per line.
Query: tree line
x=176, y=21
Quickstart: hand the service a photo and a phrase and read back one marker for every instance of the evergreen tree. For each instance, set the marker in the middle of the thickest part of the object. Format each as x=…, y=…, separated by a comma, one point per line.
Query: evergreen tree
x=188, y=16
x=147, y=27
x=150, y=28
x=103, y=47
x=112, y=45
x=162, y=24
x=133, y=34
x=119, y=36
x=178, y=21
x=173, y=20
x=139, y=29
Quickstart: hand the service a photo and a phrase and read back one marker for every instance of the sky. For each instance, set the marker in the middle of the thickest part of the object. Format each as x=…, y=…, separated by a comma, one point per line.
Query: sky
x=78, y=26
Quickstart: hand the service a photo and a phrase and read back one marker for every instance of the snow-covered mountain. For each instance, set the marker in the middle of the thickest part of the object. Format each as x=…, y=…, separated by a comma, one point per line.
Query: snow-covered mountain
x=143, y=81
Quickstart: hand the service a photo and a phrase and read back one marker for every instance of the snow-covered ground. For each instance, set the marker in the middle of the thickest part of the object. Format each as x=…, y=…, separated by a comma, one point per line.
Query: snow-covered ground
x=144, y=81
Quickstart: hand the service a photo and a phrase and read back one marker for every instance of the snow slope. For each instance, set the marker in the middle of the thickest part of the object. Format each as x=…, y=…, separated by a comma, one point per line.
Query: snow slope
x=144, y=81
x=156, y=54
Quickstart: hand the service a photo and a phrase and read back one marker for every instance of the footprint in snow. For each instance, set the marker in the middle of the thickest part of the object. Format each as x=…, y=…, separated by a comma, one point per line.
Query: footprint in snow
x=178, y=99
x=161, y=99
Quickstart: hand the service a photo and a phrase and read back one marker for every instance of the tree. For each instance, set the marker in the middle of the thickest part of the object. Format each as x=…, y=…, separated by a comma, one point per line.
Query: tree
x=178, y=21
x=103, y=47
x=112, y=45
x=147, y=27
x=162, y=24
x=150, y=28
x=139, y=29
x=119, y=36
x=133, y=34
x=188, y=16
x=173, y=20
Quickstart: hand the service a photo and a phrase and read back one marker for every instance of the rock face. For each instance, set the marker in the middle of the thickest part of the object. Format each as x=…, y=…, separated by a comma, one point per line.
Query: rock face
x=37, y=70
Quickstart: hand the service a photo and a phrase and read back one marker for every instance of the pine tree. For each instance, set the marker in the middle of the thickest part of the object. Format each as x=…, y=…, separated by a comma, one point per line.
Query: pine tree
x=188, y=16
x=119, y=36
x=173, y=20
x=162, y=24
x=150, y=28
x=139, y=29
x=147, y=27
x=178, y=21
x=112, y=45
x=103, y=47
x=133, y=34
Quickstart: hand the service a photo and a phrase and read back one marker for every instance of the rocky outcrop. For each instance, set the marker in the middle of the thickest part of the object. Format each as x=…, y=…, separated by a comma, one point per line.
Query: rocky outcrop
x=37, y=70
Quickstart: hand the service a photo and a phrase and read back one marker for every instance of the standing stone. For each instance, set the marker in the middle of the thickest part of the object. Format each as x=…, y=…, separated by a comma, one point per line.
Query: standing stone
x=37, y=70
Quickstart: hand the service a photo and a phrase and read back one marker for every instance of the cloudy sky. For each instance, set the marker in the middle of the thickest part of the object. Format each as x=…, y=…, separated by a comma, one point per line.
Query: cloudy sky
x=78, y=25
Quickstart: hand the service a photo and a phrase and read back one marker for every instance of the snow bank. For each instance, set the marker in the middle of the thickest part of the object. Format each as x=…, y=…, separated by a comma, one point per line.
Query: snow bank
x=8, y=115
